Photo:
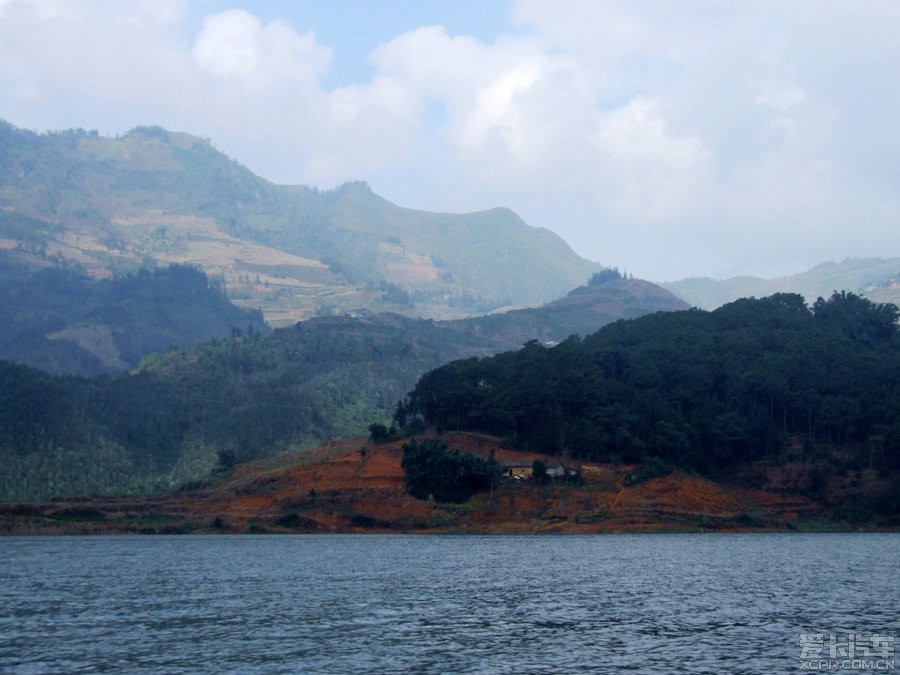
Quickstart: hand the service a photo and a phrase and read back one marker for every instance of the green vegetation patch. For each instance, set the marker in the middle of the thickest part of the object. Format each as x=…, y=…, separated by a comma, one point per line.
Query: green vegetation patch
x=435, y=471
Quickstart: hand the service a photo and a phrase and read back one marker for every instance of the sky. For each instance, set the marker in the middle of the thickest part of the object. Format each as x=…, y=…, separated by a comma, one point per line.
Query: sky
x=669, y=139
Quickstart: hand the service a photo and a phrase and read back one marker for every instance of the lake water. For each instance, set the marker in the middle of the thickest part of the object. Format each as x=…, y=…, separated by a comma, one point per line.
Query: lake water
x=384, y=603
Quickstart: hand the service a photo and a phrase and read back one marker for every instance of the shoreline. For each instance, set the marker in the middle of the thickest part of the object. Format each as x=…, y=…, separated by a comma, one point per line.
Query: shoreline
x=354, y=487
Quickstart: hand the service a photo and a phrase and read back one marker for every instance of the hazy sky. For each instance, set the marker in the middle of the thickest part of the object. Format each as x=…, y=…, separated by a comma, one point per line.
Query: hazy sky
x=671, y=139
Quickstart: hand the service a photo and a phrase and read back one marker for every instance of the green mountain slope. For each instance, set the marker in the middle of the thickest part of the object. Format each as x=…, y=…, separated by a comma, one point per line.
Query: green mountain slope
x=874, y=278
x=256, y=395
x=65, y=322
x=155, y=197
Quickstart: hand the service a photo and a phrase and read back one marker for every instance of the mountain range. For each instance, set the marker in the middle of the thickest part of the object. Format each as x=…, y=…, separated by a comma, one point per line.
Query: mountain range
x=109, y=206
x=877, y=279
x=97, y=237
x=156, y=259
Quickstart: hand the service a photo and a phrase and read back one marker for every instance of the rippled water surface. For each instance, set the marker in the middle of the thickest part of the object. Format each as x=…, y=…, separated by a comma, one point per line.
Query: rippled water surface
x=332, y=604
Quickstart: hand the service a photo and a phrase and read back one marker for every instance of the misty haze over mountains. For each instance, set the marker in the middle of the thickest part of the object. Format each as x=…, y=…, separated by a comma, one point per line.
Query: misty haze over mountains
x=151, y=197
x=84, y=218
x=102, y=208
x=154, y=197
x=876, y=278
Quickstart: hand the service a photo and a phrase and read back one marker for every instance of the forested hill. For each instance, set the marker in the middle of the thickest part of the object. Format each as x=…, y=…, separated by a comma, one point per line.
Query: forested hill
x=811, y=393
x=65, y=322
x=224, y=401
x=253, y=395
x=696, y=389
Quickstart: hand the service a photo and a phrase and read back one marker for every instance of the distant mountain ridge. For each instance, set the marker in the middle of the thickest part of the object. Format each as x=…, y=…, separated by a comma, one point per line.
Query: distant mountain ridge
x=580, y=312
x=875, y=278
x=153, y=197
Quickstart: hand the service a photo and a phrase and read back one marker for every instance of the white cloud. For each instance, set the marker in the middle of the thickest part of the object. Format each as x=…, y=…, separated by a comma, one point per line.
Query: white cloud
x=655, y=170
x=669, y=138
x=478, y=84
x=497, y=110
x=228, y=44
x=236, y=45
x=81, y=62
x=747, y=145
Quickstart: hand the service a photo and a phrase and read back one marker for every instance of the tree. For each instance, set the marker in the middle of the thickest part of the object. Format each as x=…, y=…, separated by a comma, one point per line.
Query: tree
x=379, y=433
x=858, y=317
x=434, y=470
x=226, y=459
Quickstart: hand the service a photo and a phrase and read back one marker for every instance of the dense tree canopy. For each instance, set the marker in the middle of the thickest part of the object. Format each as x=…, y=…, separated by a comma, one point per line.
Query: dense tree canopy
x=434, y=470
x=701, y=389
x=180, y=413
x=692, y=388
x=65, y=322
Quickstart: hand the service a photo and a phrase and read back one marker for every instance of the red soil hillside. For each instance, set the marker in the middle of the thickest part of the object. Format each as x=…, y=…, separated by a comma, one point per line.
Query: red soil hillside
x=353, y=486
